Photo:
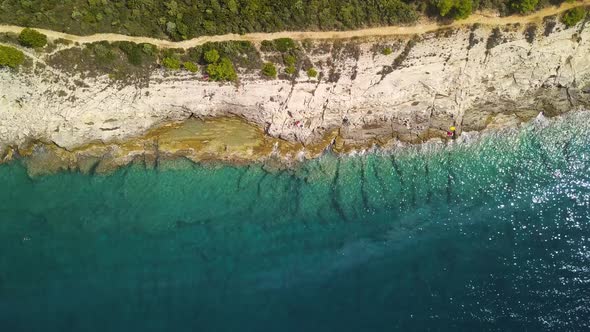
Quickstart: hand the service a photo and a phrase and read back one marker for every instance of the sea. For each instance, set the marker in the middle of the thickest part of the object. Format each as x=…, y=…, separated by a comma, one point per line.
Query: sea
x=492, y=234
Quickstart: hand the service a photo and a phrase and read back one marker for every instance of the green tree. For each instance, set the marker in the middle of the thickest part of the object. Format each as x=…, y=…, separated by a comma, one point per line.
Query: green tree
x=311, y=72
x=524, y=6
x=232, y=6
x=290, y=70
x=463, y=9
x=458, y=9
x=573, y=16
x=193, y=68
x=387, y=51
x=11, y=57
x=211, y=56
x=32, y=38
x=222, y=71
x=444, y=6
x=269, y=70
x=171, y=63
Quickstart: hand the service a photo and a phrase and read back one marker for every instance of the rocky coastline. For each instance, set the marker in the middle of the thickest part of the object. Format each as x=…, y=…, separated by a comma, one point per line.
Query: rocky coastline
x=474, y=77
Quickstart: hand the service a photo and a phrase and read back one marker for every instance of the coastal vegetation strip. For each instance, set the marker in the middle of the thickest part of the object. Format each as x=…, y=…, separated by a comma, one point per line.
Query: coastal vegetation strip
x=160, y=39
x=132, y=62
x=181, y=20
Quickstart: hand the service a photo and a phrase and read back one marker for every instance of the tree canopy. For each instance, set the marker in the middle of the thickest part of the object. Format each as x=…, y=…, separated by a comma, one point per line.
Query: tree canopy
x=524, y=6
x=183, y=19
x=457, y=9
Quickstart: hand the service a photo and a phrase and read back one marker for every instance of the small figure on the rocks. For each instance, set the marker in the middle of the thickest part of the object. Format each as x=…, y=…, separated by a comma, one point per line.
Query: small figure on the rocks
x=451, y=132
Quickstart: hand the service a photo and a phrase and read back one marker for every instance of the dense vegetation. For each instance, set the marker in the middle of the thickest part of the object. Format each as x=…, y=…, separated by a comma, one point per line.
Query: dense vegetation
x=181, y=19
x=32, y=38
x=457, y=9
x=573, y=16
x=11, y=57
x=132, y=63
x=524, y=6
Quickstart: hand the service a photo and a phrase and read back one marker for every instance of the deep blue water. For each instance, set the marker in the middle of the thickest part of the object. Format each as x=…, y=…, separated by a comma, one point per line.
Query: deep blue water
x=488, y=236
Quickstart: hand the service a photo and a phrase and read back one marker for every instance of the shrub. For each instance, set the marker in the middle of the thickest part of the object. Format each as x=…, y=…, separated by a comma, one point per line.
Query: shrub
x=190, y=67
x=290, y=70
x=103, y=53
x=463, y=9
x=133, y=51
x=222, y=71
x=149, y=49
x=387, y=51
x=573, y=16
x=32, y=38
x=289, y=60
x=11, y=57
x=459, y=9
x=269, y=70
x=444, y=7
x=311, y=72
x=171, y=63
x=211, y=56
x=284, y=44
x=267, y=46
x=524, y=6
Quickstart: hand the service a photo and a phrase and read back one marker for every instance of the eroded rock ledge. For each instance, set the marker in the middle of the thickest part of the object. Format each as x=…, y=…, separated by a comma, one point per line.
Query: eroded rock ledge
x=474, y=77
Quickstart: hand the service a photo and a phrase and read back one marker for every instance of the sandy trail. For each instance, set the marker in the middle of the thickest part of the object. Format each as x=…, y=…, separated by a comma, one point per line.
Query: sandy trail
x=426, y=26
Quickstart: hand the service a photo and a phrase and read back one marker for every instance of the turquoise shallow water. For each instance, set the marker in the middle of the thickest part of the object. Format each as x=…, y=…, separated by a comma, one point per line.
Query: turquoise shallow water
x=493, y=235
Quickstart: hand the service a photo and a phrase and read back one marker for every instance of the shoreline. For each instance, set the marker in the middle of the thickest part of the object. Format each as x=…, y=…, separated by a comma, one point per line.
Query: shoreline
x=172, y=143
x=474, y=78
